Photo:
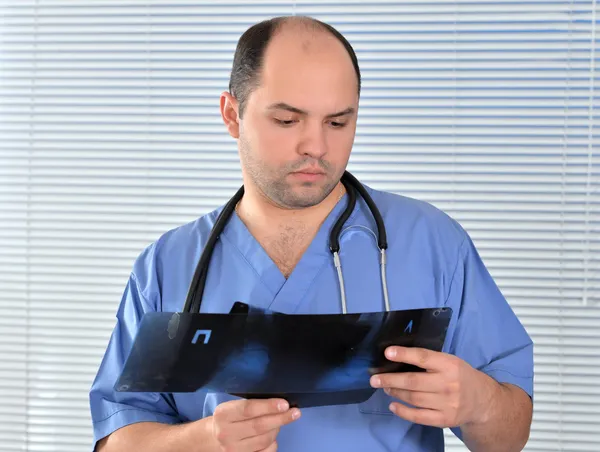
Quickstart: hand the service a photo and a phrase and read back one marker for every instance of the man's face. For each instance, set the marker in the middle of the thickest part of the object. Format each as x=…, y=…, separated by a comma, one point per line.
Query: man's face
x=298, y=127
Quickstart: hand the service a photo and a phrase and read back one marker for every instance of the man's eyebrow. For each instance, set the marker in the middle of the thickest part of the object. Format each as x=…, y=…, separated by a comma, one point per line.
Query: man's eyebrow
x=347, y=111
x=284, y=106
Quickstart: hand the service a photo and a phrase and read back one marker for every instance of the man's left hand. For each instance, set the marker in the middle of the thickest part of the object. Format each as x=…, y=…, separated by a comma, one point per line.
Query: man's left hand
x=450, y=393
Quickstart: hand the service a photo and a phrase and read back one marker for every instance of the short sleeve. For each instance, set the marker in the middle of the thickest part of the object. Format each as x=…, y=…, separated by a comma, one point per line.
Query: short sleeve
x=111, y=410
x=486, y=332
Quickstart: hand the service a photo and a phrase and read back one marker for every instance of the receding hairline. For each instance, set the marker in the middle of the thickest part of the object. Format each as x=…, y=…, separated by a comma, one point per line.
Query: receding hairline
x=309, y=23
x=308, y=28
x=286, y=24
x=249, y=58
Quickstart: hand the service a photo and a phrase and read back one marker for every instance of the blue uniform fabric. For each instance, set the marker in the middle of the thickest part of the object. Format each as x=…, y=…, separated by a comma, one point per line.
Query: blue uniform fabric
x=432, y=262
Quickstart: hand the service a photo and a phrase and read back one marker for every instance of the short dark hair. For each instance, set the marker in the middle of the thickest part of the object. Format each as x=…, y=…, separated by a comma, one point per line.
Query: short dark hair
x=249, y=54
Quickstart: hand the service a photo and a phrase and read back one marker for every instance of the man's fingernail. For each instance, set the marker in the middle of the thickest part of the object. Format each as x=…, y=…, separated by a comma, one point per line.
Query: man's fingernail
x=295, y=413
x=282, y=406
x=391, y=352
x=375, y=382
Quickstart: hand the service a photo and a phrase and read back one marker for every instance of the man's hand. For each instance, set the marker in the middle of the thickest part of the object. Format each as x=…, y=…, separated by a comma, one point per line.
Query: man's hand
x=450, y=393
x=251, y=425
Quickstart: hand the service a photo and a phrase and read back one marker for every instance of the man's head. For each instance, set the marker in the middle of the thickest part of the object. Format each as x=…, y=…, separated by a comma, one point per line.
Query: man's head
x=292, y=105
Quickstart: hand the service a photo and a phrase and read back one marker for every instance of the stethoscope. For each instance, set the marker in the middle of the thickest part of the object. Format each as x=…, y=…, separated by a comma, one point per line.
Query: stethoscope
x=352, y=185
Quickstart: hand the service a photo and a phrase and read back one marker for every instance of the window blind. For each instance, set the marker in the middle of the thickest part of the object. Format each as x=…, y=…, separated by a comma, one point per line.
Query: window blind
x=111, y=134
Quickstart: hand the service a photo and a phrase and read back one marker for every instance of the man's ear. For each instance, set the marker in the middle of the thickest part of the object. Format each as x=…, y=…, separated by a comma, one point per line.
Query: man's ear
x=229, y=113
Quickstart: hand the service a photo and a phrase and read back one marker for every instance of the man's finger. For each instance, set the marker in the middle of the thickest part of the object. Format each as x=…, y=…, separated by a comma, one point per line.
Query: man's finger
x=264, y=424
x=256, y=443
x=271, y=448
x=418, y=399
x=239, y=410
x=411, y=381
x=421, y=357
x=421, y=416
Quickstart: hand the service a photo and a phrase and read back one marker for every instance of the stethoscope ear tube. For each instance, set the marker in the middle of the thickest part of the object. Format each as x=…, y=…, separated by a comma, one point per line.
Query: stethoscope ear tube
x=381, y=233
x=334, y=236
x=351, y=184
x=196, y=289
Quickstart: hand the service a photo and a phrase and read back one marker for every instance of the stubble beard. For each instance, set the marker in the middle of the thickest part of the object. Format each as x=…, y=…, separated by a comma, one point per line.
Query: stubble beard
x=275, y=185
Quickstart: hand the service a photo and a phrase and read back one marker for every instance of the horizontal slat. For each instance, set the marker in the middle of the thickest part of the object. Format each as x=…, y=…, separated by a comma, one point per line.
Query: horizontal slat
x=341, y=13
x=159, y=203
x=424, y=105
x=561, y=255
x=569, y=267
x=414, y=139
x=143, y=118
x=29, y=110
x=575, y=181
x=455, y=74
x=548, y=278
x=579, y=36
x=401, y=49
x=14, y=128
x=452, y=70
x=501, y=22
x=52, y=4
x=238, y=6
x=150, y=153
x=366, y=31
x=37, y=42
x=104, y=301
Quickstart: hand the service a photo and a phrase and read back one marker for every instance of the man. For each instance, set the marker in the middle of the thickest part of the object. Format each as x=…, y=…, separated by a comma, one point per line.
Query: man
x=292, y=107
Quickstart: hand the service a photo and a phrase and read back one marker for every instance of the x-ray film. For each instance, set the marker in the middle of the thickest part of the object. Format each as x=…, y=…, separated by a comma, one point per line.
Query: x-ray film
x=308, y=359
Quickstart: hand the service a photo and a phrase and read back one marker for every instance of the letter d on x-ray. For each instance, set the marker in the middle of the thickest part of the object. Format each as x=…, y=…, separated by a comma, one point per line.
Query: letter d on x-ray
x=205, y=333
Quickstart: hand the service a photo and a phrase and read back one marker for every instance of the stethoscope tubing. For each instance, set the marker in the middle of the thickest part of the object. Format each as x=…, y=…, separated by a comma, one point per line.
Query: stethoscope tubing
x=352, y=185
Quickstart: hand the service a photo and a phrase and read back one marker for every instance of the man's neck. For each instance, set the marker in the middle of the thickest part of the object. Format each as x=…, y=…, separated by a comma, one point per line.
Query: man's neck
x=260, y=213
x=284, y=234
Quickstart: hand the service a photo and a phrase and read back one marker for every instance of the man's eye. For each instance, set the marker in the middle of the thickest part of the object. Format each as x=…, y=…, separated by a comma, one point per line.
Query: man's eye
x=337, y=125
x=285, y=122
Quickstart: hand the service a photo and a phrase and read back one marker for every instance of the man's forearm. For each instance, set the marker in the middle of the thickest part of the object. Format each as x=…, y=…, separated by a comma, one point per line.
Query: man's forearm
x=505, y=425
x=154, y=437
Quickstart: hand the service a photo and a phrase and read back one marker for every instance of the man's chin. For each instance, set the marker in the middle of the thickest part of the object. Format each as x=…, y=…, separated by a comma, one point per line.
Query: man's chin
x=304, y=197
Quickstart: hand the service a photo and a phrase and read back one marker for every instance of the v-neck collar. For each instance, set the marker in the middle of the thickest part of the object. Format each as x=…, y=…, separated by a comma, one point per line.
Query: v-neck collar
x=286, y=293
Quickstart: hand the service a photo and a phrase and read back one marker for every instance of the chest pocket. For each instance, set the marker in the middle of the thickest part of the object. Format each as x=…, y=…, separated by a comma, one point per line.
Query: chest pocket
x=378, y=403
x=403, y=295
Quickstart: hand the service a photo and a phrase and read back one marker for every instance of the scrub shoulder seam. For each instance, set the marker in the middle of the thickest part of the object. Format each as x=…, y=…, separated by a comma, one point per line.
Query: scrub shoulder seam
x=143, y=298
x=170, y=419
x=458, y=259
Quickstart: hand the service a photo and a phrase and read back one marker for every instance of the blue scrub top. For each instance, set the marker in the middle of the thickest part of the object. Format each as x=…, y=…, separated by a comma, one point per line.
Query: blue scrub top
x=432, y=262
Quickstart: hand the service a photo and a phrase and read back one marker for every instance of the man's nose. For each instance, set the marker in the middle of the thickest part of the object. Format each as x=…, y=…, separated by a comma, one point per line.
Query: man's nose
x=314, y=141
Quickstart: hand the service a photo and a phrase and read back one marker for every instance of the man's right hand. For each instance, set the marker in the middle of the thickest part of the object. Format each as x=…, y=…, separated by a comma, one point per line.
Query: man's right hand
x=251, y=425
